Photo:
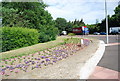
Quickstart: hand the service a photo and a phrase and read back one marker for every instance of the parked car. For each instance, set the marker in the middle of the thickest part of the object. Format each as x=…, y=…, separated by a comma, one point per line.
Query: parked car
x=63, y=33
x=102, y=33
x=96, y=33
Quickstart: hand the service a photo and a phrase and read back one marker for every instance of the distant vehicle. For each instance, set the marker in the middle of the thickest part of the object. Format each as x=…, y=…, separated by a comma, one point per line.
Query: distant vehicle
x=102, y=33
x=63, y=33
x=114, y=30
x=96, y=33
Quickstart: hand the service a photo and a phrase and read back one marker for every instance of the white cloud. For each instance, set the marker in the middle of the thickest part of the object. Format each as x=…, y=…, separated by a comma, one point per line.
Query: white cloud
x=89, y=10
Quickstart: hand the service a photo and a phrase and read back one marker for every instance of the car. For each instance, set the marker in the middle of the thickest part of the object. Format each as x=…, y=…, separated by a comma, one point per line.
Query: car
x=102, y=33
x=63, y=33
x=96, y=33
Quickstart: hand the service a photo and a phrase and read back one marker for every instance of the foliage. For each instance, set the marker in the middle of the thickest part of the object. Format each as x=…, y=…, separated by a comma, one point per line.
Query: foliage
x=16, y=13
x=77, y=23
x=16, y=37
x=30, y=15
x=71, y=34
x=61, y=24
x=113, y=21
x=74, y=24
x=72, y=40
x=69, y=27
x=93, y=28
x=48, y=33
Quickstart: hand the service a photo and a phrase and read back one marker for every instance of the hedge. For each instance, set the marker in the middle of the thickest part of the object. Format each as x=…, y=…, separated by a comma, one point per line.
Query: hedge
x=17, y=37
x=48, y=33
x=71, y=34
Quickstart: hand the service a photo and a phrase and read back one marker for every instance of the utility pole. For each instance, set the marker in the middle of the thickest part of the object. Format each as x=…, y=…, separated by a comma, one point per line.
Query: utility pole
x=106, y=22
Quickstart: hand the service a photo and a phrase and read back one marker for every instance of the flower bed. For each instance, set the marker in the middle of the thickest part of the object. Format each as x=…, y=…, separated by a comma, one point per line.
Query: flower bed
x=40, y=59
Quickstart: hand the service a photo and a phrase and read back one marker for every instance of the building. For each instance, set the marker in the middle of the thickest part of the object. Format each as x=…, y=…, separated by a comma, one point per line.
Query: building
x=114, y=30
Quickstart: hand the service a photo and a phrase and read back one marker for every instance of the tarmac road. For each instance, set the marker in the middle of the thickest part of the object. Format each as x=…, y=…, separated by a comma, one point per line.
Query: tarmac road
x=110, y=57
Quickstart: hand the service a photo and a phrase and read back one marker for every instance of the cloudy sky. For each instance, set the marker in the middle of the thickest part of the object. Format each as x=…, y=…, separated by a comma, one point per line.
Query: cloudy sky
x=89, y=10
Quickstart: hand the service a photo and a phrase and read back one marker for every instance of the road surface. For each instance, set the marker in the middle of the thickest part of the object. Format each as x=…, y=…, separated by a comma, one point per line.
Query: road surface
x=108, y=67
x=110, y=57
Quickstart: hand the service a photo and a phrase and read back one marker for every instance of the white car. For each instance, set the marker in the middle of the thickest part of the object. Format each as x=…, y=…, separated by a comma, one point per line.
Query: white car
x=96, y=33
x=64, y=32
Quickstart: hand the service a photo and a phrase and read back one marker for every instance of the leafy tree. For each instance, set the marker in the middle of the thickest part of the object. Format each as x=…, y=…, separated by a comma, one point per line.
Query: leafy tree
x=116, y=16
x=77, y=23
x=61, y=24
x=97, y=21
x=32, y=12
x=113, y=21
x=81, y=23
x=92, y=28
x=69, y=27
x=30, y=15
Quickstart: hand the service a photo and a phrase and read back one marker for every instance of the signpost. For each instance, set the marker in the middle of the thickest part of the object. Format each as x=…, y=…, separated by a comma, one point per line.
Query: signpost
x=82, y=42
x=83, y=30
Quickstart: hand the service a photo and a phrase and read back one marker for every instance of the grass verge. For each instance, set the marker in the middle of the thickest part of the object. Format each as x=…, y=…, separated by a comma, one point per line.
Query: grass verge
x=37, y=47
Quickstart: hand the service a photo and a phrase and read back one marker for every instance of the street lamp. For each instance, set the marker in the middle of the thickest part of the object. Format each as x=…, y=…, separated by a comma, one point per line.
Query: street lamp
x=106, y=22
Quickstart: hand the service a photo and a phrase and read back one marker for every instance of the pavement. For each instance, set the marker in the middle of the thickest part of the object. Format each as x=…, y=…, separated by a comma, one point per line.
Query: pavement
x=108, y=68
x=104, y=73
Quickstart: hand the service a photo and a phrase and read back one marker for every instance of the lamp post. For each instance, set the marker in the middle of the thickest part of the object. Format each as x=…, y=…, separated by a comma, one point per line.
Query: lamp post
x=106, y=22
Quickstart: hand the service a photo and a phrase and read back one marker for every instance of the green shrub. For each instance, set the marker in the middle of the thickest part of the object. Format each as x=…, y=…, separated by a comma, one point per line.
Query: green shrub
x=71, y=34
x=14, y=15
x=72, y=40
x=17, y=37
x=48, y=33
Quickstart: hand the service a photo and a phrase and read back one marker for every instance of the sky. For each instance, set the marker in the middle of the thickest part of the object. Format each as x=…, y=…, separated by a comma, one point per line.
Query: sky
x=88, y=10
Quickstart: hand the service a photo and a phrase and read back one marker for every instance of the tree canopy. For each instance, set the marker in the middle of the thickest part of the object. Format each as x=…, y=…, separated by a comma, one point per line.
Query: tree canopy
x=63, y=25
x=30, y=15
x=113, y=21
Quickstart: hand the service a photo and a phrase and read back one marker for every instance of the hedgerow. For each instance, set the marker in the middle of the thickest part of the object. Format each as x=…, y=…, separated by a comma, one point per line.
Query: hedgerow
x=17, y=37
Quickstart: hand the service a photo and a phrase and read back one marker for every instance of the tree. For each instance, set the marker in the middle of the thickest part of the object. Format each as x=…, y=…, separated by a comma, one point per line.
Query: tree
x=61, y=24
x=30, y=15
x=77, y=23
x=113, y=21
x=69, y=27
x=97, y=21
x=116, y=16
x=81, y=23
x=92, y=28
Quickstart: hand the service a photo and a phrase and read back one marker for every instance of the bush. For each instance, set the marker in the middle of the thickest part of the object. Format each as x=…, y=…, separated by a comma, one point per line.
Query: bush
x=17, y=37
x=48, y=33
x=71, y=34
